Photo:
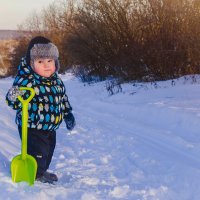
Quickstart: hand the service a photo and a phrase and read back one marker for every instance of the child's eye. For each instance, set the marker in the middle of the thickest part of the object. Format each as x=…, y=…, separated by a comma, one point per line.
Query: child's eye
x=39, y=61
x=50, y=60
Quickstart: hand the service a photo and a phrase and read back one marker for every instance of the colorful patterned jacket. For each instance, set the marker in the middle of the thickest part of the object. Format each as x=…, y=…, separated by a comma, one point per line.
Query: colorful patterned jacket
x=50, y=103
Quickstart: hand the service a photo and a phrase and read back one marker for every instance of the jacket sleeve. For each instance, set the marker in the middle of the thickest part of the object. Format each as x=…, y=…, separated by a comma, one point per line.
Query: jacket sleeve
x=65, y=103
x=20, y=82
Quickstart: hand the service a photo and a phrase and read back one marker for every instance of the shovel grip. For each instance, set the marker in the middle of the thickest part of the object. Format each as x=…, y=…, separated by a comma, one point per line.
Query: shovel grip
x=30, y=97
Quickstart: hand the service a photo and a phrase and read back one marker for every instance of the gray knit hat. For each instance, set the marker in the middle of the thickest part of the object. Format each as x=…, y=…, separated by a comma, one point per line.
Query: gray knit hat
x=41, y=47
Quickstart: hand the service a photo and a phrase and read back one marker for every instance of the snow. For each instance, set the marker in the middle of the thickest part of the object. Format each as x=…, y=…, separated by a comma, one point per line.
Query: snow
x=141, y=144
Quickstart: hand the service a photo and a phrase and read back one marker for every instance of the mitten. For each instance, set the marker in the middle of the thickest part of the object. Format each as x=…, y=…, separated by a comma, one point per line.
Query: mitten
x=70, y=121
x=14, y=92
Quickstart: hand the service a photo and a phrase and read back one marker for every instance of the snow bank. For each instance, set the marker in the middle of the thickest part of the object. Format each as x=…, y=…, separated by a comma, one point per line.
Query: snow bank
x=141, y=144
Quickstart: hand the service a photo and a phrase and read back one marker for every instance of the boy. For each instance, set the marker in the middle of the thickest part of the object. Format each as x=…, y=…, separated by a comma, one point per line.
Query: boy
x=49, y=106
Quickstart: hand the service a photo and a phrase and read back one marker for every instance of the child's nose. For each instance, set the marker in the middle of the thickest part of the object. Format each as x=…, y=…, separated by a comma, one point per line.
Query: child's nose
x=46, y=64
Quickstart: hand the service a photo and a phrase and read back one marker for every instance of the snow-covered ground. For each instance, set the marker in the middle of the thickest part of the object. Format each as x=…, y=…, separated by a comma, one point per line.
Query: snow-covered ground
x=141, y=144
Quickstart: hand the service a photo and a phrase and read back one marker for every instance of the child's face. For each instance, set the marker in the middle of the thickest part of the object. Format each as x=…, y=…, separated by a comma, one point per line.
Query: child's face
x=44, y=66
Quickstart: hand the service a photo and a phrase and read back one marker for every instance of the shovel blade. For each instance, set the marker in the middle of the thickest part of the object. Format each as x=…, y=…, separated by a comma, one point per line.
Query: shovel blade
x=23, y=169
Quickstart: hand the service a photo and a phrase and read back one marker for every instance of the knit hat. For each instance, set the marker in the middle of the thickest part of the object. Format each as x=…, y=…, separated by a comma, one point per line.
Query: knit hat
x=41, y=47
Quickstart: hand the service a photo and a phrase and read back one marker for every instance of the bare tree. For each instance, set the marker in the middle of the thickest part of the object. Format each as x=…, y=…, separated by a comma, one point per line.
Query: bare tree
x=126, y=39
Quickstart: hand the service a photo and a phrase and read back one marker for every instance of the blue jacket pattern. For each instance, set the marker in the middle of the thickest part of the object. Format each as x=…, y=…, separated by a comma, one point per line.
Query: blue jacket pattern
x=50, y=104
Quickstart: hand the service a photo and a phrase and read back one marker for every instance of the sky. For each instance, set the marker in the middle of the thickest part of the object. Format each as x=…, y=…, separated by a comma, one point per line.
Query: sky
x=14, y=12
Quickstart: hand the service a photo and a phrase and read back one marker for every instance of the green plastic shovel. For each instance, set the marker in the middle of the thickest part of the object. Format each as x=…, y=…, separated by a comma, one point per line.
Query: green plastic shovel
x=24, y=167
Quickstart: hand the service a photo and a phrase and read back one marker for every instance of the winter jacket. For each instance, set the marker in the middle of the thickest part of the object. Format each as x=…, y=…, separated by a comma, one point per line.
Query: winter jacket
x=50, y=103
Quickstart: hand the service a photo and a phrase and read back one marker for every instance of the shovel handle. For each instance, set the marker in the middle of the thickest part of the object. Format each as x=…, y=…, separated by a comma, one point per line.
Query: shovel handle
x=30, y=97
x=25, y=103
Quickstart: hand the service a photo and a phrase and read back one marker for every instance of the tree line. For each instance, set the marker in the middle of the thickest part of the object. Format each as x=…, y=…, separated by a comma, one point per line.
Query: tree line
x=140, y=40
